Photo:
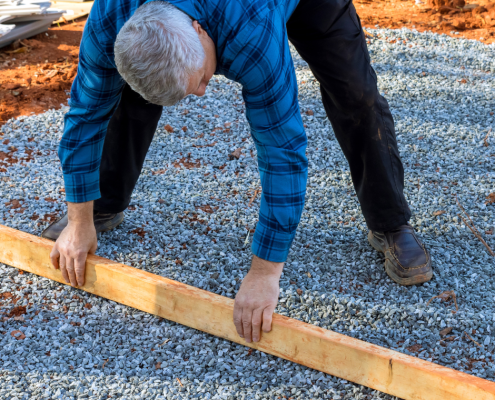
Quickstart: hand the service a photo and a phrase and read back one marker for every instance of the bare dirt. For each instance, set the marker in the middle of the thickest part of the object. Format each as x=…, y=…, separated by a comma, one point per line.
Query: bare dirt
x=36, y=74
x=471, y=20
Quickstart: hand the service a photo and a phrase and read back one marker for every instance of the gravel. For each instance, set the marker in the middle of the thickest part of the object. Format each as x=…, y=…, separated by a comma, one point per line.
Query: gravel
x=191, y=219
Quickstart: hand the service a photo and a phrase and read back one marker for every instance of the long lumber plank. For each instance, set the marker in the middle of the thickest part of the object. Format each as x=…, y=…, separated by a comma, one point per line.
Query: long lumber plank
x=382, y=369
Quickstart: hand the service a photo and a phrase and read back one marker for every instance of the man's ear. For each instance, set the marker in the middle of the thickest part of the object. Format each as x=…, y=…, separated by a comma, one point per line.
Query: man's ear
x=197, y=27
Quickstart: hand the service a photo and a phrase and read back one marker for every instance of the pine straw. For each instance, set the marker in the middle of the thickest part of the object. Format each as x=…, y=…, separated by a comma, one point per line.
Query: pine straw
x=472, y=227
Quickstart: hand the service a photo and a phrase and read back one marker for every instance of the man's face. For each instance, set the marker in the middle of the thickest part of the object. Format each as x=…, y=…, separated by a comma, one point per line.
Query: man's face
x=199, y=81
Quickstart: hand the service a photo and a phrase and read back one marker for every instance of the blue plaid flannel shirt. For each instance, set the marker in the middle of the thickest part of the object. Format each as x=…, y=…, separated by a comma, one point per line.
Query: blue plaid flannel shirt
x=252, y=49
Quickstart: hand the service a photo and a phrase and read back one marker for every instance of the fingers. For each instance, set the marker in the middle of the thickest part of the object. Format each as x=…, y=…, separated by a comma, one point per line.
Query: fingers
x=248, y=323
x=238, y=319
x=54, y=256
x=256, y=324
x=80, y=267
x=70, y=270
x=247, y=316
x=61, y=262
x=71, y=250
x=267, y=319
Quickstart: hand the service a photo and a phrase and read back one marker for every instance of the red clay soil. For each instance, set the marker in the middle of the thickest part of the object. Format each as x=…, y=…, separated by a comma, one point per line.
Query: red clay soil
x=36, y=75
x=472, y=20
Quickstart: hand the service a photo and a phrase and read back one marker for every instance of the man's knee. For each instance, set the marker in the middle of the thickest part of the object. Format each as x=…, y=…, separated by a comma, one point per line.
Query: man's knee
x=368, y=93
x=357, y=94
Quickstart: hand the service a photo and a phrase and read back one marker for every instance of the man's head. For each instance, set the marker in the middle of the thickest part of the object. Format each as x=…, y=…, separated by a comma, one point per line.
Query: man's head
x=164, y=55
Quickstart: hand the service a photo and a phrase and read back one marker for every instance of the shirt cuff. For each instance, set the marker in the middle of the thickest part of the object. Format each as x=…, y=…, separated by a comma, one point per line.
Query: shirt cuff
x=80, y=188
x=271, y=245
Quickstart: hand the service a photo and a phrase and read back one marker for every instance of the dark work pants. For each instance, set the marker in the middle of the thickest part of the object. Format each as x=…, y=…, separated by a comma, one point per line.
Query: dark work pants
x=328, y=36
x=129, y=135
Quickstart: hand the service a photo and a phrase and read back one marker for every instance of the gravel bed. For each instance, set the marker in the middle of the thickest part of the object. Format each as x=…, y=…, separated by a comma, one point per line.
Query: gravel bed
x=192, y=217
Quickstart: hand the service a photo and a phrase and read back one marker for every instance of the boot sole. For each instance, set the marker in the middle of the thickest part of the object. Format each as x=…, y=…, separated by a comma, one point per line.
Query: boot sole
x=389, y=267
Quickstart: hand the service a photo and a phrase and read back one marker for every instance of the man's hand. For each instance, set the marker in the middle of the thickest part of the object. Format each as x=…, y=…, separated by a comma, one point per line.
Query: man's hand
x=257, y=298
x=74, y=243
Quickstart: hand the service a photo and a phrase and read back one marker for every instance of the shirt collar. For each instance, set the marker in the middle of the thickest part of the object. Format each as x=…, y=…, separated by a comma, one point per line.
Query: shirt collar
x=191, y=8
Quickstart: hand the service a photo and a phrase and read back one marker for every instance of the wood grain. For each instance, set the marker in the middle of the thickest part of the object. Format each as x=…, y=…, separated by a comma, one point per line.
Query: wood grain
x=348, y=358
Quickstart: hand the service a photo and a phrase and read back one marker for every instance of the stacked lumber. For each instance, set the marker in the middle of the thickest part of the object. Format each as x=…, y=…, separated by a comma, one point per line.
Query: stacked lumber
x=74, y=9
x=25, y=18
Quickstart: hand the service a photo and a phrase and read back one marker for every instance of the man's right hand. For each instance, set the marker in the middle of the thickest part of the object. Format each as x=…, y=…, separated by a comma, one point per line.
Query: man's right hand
x=75, y=242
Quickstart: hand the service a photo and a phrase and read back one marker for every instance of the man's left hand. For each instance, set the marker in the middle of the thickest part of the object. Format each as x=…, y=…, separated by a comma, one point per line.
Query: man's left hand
x=257, y=298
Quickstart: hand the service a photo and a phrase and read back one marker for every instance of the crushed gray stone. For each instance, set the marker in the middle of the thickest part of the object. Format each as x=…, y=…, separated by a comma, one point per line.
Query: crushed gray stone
x=191, y=220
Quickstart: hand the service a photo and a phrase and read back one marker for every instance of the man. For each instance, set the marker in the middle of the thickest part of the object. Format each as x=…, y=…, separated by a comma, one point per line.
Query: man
x=165, y=51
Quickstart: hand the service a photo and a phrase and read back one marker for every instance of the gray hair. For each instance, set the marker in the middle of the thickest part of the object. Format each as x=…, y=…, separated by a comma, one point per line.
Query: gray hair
x=156, y=52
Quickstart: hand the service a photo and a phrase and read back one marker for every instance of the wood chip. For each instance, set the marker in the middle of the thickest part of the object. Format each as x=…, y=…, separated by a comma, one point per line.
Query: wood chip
x=491, y=198
x=446, y=331
x=18, y=335
x=254, y=197
x=472, y=227
x=236, y=154
x=440, y=212
x=445, y=296
x=474, y=341
x=485, y=140
x=367, y=34
x=51, y=73
x=19, y=50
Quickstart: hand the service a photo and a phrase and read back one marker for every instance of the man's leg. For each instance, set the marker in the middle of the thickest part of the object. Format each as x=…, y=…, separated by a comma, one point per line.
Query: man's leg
x=129, y=135
x=328, y=36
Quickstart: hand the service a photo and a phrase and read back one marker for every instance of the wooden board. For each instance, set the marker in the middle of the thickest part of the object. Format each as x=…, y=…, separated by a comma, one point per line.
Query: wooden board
x=348, y=358
x=74, y=10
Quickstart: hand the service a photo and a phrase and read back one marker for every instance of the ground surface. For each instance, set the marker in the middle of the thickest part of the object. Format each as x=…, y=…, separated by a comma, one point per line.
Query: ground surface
x=190, y=217
x=472, y=21
x=39, y=79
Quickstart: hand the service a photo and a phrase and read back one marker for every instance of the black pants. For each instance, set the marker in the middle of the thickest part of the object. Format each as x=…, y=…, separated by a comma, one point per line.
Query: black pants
x=328, y=36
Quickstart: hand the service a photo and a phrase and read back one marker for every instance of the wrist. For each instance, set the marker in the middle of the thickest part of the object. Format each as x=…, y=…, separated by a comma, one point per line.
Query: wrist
x=80, y=213
x=265, y=267
x=81, y=224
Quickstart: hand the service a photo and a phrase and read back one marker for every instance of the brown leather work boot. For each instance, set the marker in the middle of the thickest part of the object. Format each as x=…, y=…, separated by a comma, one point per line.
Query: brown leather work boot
x=407, y=261
x=103, y=222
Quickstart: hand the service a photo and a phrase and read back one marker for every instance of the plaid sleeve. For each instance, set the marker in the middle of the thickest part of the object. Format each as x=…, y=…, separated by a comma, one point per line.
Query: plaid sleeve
x=266, y=71
x=94, y=95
